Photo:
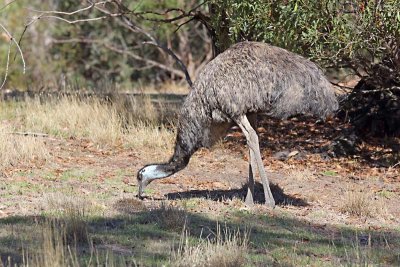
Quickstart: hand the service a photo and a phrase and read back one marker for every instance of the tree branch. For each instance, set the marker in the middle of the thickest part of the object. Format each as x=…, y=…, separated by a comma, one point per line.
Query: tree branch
x=125, y=21
x=184, y=14
x=151, y=63
x=69, y=13
x=153, y=41
x=7, y=4
x=11, y=40
x=7, y=66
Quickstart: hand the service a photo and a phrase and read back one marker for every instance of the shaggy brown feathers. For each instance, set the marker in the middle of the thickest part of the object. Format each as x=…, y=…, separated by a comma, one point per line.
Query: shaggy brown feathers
x=251, y=77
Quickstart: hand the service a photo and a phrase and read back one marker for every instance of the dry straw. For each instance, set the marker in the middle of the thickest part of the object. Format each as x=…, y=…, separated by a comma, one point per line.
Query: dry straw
x=17, y=149
x=226, y=248
x=105, y=124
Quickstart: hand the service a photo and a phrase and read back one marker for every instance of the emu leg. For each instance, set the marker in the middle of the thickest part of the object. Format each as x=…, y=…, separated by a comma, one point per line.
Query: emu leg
x=252, y=167
x=250, y=183
x=252, y=141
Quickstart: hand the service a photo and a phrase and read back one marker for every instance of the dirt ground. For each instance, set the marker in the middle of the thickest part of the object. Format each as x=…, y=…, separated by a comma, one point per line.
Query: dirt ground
x=306, y=180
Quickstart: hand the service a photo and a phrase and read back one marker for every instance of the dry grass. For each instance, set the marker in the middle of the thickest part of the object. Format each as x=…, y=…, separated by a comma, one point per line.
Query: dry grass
x=150, y=136
x=130, y=205
x=130, y=123
x=59, y=203
x=7, y=109
x=52, y=250
x=73, y=117
x=166, y=87
x=20, y=149
x=226, y=248
x=357, y=204
x=143, y=129
x=63, y=236
x=302, y=175
x=137, y=109
x=361, y=204
x=71, y=215
x=76, y=227
x=169, y=217
x=59, y=236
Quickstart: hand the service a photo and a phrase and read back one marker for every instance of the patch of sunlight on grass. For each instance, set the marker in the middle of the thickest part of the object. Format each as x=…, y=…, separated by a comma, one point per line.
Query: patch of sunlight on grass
x=72, y=116
x=151, y=136
x=20, y=149
x=120, y=122
x=329, y=173
x=83, y=174
x=302, y=174
x=7, y=110
x=362, y=204
x=357, y=204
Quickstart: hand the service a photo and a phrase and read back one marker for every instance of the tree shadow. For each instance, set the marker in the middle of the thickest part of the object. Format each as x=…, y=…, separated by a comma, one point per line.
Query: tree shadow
x=276, y=240
x=280, y=197
x=330, y=139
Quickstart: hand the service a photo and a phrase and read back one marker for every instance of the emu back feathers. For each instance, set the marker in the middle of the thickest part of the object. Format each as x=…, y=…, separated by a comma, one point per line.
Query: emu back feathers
x=251, y=77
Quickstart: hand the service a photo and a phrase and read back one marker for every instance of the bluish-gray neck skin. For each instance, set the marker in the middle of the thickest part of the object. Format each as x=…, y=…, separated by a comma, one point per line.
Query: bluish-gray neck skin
x=152, y=172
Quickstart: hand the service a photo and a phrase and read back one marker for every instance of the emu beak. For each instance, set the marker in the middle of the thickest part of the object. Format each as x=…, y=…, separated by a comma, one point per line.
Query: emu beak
x=141, y=189
x=141, y=185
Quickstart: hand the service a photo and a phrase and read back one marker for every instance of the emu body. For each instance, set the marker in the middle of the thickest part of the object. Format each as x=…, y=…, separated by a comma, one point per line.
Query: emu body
x=246, y=79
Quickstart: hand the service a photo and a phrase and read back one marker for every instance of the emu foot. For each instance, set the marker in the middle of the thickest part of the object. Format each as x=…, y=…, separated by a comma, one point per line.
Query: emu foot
x=269, y=201
x=269, y=198
x=249, y=200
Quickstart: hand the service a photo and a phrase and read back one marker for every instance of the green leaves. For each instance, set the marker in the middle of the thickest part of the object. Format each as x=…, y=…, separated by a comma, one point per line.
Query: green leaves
x=330, y=32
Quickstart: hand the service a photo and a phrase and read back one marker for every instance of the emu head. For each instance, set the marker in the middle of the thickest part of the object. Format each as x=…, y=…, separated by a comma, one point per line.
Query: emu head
x=149, y=173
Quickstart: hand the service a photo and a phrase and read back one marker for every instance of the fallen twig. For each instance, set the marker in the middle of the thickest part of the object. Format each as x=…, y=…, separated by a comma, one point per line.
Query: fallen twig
x=30, y=134
x=395, y=165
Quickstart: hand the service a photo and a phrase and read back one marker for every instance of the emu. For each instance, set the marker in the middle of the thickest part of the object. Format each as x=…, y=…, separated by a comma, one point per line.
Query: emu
x=246, y=79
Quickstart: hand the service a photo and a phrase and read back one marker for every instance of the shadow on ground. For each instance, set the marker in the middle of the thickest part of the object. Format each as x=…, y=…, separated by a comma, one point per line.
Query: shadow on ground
x=330, y=139
x=148, y=236
x=219, y=195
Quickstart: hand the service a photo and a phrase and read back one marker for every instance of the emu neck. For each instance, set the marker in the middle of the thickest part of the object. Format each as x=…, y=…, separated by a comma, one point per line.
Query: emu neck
x=178, y=161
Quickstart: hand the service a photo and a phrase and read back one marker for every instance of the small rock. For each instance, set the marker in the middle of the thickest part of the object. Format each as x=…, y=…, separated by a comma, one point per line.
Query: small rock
x=286, y=154
x=281, y=155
